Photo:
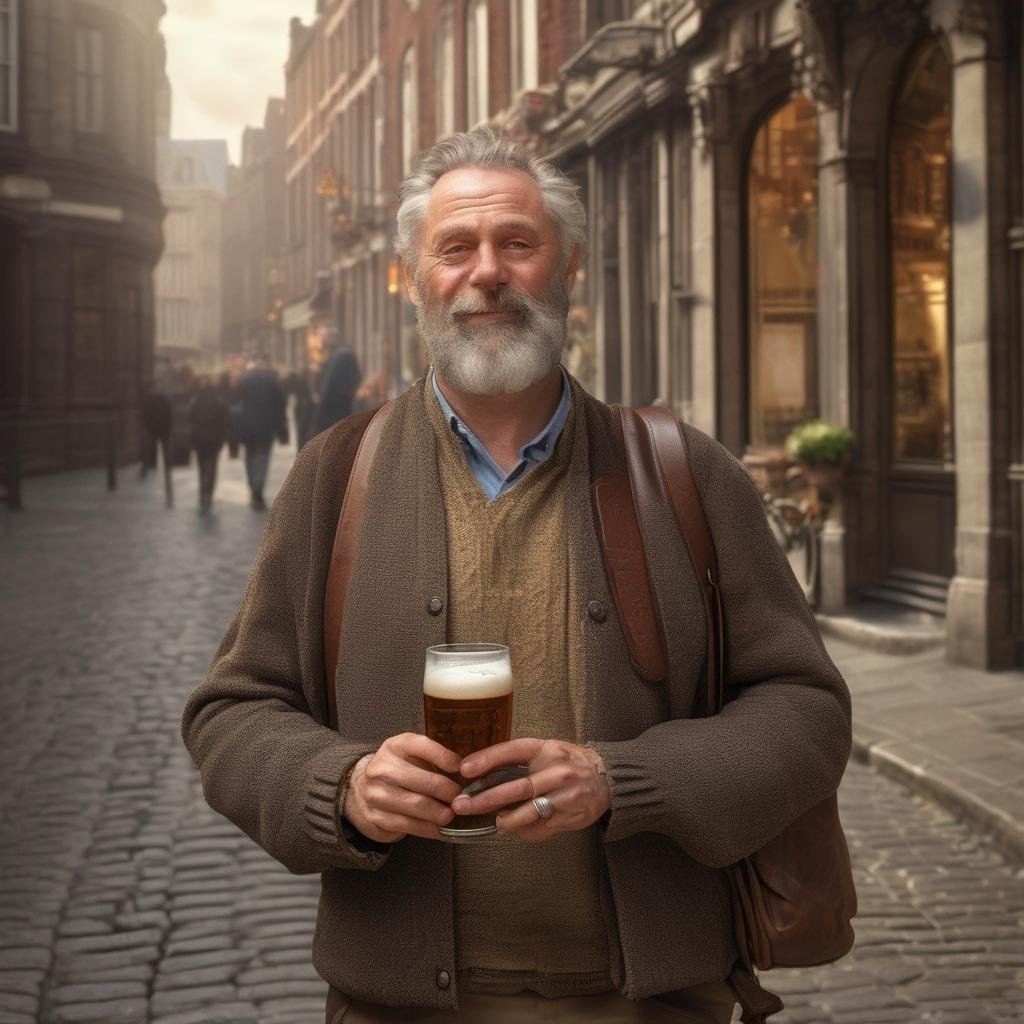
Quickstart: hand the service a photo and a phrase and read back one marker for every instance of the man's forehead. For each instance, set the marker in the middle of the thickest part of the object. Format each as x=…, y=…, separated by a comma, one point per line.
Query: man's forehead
x=484, y=191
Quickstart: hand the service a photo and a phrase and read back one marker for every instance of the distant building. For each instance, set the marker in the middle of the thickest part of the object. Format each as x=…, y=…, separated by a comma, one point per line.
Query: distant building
x=253, y=247
x=192, y=174
x=80, y=224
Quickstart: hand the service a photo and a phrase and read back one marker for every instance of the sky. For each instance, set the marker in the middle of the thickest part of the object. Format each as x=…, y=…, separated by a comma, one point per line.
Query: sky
x=225, y=58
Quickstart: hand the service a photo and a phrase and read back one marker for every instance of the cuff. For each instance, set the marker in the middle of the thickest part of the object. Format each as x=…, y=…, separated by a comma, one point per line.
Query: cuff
x=325, y=796
x=636, y=803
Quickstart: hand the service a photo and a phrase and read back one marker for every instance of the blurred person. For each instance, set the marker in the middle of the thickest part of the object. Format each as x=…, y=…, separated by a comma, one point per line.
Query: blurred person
x=303, y=406
x=208, y=418
x=157, y=422
x=341, y=377
x=602, y=897
x=227, y=387
x=261, y=419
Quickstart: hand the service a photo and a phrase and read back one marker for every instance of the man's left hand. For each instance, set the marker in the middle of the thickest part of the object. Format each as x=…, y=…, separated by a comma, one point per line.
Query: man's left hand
x=572, y=778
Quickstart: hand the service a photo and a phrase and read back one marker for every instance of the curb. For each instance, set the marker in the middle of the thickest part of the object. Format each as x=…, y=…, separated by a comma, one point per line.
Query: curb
x=879, y=638
x=1006, y=832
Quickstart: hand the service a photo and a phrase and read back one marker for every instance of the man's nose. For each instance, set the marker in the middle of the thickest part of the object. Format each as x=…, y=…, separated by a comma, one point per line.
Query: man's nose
x=489, y=270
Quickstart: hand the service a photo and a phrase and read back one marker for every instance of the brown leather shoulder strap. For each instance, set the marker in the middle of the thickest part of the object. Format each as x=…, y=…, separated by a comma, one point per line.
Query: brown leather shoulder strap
x=346, y=537
x=659, y=470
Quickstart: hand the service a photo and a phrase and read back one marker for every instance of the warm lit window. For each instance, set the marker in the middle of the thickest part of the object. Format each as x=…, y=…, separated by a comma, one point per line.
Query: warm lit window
x=89, y=80
x=919, y=208
x=409, y=112
x=783, y=273
x=444, y=69
x=523, y=40
x=8, y=65
x=477, y=92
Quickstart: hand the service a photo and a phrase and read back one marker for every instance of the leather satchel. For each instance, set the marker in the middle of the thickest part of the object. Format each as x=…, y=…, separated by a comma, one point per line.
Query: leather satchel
x=793, y=899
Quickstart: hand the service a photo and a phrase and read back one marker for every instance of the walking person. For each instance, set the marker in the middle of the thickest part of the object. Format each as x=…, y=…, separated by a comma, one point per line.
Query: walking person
x=341, y=378
x=261, y=419
x=157, y=423
x=297, y=385
x=208, y=418
x=602, y=896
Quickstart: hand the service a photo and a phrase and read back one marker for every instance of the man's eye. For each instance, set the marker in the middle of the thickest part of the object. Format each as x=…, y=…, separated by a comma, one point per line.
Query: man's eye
x=518, y=245
x=454, y=250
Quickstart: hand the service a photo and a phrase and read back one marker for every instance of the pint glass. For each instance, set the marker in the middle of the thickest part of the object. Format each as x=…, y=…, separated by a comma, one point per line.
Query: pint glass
x=467, y=705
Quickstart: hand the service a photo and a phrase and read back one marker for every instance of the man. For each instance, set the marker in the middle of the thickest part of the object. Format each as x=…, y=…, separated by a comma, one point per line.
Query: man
x=341, y=382
x=208, y=419
x=261, y=418
x=478, y=527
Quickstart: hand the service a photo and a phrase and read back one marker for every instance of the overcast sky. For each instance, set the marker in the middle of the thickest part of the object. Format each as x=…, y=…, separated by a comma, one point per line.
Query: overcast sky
x=225, y=58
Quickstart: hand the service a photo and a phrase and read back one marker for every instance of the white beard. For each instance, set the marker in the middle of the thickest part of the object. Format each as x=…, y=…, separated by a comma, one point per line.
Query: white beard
x=498, y=357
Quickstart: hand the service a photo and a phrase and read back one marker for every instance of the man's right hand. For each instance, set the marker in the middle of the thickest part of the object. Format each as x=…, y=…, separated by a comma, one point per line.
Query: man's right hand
x=399, y=791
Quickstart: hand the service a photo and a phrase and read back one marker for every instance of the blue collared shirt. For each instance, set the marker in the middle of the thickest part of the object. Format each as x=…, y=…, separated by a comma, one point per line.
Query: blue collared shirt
x=492, y=478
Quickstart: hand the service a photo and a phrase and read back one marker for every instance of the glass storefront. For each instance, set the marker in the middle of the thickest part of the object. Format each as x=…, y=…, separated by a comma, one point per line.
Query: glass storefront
x=919, y=205
x=783, y=274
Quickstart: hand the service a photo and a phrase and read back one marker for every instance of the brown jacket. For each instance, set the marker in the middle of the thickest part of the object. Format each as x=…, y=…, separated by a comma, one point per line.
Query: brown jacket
x=689, y=796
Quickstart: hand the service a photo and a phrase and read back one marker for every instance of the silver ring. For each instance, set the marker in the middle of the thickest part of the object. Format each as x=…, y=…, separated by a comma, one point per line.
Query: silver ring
x=544, y=808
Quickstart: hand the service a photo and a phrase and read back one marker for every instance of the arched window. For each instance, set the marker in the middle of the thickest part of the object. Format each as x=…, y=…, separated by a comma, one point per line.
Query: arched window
x=919, y=210
x=409, y=112
x=444, y=70
x=783, y=274
x=477, y=91
x=523, y=41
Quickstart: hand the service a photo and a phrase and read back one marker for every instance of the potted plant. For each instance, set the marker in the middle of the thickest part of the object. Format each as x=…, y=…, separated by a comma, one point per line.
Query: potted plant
x=822, y=450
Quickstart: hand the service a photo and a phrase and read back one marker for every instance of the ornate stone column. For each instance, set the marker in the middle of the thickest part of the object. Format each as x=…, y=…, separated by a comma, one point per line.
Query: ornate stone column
x=978, y=629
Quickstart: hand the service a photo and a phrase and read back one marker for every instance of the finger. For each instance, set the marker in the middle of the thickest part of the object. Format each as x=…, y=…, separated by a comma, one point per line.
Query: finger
x=414, y=806
x=520, y=751
x=413, y=744
x=429, y=782
x=515, y=792
x=409, y=826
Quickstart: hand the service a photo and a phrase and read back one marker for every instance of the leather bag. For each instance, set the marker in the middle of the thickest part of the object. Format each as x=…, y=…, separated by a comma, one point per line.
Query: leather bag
x=793, y=899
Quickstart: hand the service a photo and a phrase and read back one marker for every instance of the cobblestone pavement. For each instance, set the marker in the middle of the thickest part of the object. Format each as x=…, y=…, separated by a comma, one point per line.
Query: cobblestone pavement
x=124, y=898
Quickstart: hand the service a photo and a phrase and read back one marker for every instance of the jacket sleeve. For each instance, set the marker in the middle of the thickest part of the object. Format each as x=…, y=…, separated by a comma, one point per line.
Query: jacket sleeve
x=255, y=728
x=722, y=787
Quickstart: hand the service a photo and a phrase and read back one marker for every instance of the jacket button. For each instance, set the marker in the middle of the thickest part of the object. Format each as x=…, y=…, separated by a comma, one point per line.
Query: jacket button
x=444, y=979
x=596, y=611
x=435, y=606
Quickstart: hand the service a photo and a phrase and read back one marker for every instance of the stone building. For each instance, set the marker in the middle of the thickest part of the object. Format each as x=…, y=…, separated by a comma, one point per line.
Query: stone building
x=80, y=224
x=253, y=246
x=192, y=174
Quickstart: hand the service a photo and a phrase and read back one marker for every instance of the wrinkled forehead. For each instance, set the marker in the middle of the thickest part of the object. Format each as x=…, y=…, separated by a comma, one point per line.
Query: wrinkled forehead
x=480, y=195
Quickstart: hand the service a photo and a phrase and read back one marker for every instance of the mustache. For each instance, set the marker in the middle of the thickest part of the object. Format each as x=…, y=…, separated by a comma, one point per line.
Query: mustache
x=503, y=300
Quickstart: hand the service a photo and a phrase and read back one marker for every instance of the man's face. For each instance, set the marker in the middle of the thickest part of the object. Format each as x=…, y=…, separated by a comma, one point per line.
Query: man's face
x=492, y=287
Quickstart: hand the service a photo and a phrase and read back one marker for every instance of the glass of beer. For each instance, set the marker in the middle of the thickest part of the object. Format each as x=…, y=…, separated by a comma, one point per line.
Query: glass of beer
x=467, y=705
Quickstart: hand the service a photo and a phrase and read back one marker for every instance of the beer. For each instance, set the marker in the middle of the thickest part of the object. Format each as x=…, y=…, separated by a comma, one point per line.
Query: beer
x=467, y=705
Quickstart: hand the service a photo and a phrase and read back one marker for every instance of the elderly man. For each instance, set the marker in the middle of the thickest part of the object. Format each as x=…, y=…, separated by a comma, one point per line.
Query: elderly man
x=478, y=527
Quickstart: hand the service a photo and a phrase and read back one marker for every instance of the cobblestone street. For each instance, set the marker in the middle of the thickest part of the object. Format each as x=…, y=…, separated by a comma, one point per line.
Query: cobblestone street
x=124, y=898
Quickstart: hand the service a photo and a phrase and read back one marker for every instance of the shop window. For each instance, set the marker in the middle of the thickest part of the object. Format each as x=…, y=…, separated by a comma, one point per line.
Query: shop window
x=8, y=65
x=409, y=114
x=783, y=274
x=919, y=208
x=89, y=80
x=88, y=324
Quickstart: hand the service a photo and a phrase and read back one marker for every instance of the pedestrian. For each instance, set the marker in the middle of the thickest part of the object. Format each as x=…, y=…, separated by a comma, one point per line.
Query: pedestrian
x=208, y=418
x=297, y=385
x=341, y=377
x=157, y=423
x=602, y=895
x=261, y=419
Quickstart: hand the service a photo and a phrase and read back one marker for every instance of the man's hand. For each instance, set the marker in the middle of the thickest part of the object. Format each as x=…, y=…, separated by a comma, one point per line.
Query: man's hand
x=571, y=777
x=397, y=791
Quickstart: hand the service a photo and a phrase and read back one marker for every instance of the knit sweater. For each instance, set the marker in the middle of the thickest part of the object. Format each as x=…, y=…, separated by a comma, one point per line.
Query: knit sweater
x=689, y=796
x=526, y=915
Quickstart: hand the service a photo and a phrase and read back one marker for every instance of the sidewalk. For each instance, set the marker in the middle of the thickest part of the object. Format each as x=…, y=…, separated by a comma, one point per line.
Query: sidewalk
x=955, y=734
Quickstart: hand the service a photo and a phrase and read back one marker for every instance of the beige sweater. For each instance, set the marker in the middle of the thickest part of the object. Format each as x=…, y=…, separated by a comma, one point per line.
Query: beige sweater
x=526, y=915
x=688, y=795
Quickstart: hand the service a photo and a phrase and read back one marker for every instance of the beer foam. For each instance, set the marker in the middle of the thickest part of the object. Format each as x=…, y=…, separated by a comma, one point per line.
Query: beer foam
x=468, y=682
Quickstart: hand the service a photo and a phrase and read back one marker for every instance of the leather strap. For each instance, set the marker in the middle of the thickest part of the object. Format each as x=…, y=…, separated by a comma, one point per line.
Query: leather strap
x=346, y=537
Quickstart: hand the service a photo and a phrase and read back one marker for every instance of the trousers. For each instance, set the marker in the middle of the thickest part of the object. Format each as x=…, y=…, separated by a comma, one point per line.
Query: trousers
x=712, y=1003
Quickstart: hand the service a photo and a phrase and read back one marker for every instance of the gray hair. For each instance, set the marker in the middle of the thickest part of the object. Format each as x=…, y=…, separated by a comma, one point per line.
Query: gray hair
x=484, y=147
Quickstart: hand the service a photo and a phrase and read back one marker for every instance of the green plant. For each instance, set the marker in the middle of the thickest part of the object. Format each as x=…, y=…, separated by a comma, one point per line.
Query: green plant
x=818, y=444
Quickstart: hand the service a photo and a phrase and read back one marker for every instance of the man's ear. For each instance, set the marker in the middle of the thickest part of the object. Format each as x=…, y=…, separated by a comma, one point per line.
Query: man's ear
x=573, y=266
x=410, y=284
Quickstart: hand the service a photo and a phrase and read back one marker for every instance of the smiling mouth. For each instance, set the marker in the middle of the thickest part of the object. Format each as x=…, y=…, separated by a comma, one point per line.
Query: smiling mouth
x=499, y=315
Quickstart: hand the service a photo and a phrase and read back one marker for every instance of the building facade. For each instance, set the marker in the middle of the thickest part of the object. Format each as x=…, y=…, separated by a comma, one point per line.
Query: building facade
x=253, y=246
x=189, y=302
x=798, y=209
x=80, y=224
